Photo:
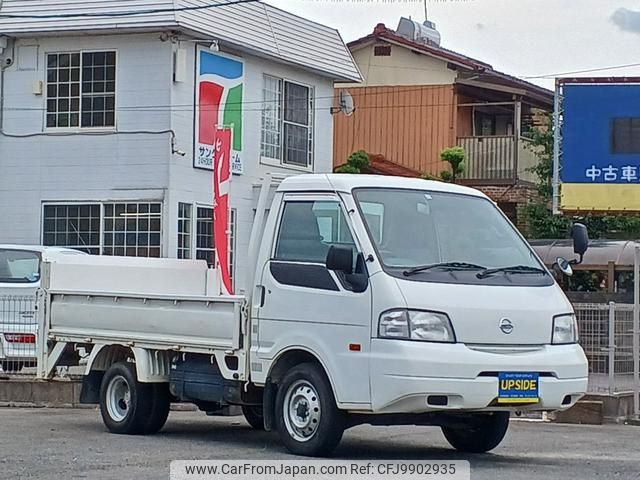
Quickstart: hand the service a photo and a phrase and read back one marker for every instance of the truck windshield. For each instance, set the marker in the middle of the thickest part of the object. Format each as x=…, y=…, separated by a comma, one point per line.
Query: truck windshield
x=19, y=266
x=443, y=231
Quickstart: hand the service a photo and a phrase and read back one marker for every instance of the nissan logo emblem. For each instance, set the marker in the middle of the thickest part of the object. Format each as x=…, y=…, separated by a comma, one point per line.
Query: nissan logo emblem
x=506, y=326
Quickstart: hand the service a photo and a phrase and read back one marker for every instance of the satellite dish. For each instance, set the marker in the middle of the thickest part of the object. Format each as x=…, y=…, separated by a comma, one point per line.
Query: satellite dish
x=345, y=104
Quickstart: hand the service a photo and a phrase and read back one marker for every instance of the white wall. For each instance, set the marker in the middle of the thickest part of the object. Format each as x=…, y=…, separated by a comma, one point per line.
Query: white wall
x=141, y=166
x=48, y=167
x=195, y=186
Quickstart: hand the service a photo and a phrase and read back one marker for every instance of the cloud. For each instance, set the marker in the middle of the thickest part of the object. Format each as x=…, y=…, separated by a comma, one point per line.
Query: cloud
x=627, y=20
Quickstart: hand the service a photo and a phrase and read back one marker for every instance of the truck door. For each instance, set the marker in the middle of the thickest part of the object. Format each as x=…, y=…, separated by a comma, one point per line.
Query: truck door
x=309, y=307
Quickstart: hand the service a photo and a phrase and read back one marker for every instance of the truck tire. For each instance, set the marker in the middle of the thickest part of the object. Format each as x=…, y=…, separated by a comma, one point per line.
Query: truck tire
x=159, y=411
x=125, y=403
x=306, y=415
x=483, y=433
x=254, y=416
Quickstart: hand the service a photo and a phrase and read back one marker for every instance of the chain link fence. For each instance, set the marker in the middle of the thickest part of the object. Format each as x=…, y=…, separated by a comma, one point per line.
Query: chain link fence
x=606, y=335
x=18, y=331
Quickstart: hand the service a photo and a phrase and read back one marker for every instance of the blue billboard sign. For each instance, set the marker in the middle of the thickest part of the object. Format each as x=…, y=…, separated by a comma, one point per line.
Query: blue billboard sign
x=600, y=134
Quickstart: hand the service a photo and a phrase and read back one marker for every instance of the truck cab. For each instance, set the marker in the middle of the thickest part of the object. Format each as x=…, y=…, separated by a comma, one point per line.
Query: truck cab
x=414, y=298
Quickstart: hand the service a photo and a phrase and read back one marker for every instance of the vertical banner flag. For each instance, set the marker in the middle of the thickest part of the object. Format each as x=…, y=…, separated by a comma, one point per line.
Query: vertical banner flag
x=219, y=86
x=221, y=173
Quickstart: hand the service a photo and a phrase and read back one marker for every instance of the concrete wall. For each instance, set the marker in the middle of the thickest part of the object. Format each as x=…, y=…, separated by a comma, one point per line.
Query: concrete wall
x=122, y=165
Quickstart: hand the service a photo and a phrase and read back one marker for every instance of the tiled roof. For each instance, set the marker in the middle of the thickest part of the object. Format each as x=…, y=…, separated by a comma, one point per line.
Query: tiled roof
x=381, y=32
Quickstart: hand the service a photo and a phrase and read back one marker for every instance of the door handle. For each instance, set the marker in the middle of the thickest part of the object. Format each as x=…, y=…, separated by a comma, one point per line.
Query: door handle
x=260, y=293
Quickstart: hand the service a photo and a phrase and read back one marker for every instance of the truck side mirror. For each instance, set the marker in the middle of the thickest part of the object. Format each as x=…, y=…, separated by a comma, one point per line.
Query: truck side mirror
x=580, y=240
x=340, y=259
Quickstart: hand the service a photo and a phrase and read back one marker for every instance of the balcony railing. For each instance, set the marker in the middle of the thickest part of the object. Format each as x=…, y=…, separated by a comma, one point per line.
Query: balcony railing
x=497, y=159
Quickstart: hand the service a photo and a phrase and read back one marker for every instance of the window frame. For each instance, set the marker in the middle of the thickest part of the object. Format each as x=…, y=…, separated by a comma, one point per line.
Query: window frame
x=311, y=127
x=101, y=204
x=80, y=128
x=633, y=141
x=184, y=252
x=297, y=198
x=195, y=236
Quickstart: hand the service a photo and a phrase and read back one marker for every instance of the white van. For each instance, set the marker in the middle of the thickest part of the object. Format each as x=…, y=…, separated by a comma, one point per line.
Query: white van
x=20, y=267
x=374, y=300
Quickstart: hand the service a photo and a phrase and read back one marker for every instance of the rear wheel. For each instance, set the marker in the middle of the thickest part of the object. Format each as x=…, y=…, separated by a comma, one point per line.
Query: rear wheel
x=307, y=417
x=159, y=411
x=483, y=432
x=254, y=416
x=125, y=403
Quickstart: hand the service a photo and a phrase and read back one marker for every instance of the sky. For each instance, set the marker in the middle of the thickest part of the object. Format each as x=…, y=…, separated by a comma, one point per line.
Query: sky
x=519, y=37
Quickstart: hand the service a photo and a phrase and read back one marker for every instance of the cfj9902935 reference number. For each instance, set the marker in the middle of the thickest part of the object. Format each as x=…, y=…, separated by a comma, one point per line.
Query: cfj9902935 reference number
x=416, y=468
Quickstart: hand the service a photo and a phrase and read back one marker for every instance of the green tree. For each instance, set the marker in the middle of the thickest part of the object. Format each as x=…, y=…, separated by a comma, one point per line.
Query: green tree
x=541, y=221
x=454, y=156
x=356, y=163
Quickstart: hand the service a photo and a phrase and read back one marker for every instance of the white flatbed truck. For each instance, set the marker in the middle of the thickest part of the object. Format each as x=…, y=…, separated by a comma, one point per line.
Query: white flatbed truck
x=375, y=300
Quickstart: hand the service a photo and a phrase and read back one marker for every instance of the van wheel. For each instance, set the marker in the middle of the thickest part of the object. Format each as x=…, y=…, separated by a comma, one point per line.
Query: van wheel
x=160, y=406
x=125, y=402
x=11, y=366
x=308, y=420
x=254, y=416
x=482, y=433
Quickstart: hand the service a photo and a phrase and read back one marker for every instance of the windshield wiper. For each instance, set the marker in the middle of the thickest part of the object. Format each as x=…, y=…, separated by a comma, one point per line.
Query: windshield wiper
x=444, y=265
x=511, y=269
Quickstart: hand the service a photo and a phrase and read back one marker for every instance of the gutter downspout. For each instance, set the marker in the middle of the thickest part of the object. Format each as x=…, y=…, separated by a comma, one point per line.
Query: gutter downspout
x=5, y=41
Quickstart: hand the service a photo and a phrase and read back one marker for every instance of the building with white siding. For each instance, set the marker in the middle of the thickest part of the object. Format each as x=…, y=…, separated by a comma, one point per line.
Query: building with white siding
x=102, y=142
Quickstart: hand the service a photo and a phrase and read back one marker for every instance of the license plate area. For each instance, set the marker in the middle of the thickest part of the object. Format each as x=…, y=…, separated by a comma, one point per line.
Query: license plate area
x=518, y=387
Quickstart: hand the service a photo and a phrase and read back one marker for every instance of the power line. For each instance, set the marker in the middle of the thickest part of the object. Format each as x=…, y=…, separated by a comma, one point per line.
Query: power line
x=590, y=70
x=118, y=14
x=154, y=109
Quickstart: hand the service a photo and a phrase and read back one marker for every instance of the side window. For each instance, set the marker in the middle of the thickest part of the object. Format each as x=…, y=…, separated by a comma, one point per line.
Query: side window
x=308, y=229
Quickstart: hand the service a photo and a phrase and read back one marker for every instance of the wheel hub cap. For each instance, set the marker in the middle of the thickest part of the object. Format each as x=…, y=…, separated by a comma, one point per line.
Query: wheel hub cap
x=302, y=410
x=118, y=398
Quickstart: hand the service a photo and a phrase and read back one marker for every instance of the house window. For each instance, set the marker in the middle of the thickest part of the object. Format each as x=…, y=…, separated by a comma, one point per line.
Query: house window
x=75, y=226
x=132, y=229
x=287, y=122
x=184, y=230
x=625, y=135
x=205, y=249
x=81, y=89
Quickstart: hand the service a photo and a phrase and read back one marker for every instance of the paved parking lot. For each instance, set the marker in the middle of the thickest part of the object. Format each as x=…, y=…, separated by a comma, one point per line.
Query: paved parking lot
x=73, y=444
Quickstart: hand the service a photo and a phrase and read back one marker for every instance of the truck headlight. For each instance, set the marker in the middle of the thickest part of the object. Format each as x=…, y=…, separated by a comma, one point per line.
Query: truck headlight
x=565, y=330
x=416, y=325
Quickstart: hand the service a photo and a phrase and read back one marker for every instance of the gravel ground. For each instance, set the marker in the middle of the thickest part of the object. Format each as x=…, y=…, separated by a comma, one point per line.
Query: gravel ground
x=73, y=444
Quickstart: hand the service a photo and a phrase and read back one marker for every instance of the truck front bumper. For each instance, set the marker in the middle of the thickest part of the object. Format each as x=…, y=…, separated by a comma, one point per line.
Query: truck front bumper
x=408, y=377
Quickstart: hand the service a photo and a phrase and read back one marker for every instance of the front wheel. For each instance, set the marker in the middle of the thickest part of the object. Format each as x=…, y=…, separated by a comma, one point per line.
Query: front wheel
x=483, y=432
x=308, y=420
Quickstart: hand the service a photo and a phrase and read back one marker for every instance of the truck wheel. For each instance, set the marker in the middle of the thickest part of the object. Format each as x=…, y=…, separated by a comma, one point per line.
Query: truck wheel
x=484, y=432
x=254, y=416
x=125, y=402
x=307, y=417
x=159, y=411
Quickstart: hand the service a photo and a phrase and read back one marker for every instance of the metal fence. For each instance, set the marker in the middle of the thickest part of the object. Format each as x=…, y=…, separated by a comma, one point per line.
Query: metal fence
x=606, y=335
x=18, y=331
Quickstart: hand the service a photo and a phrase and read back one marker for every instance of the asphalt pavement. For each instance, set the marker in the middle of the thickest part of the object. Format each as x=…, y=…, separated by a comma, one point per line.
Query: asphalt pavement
x=73, y=444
